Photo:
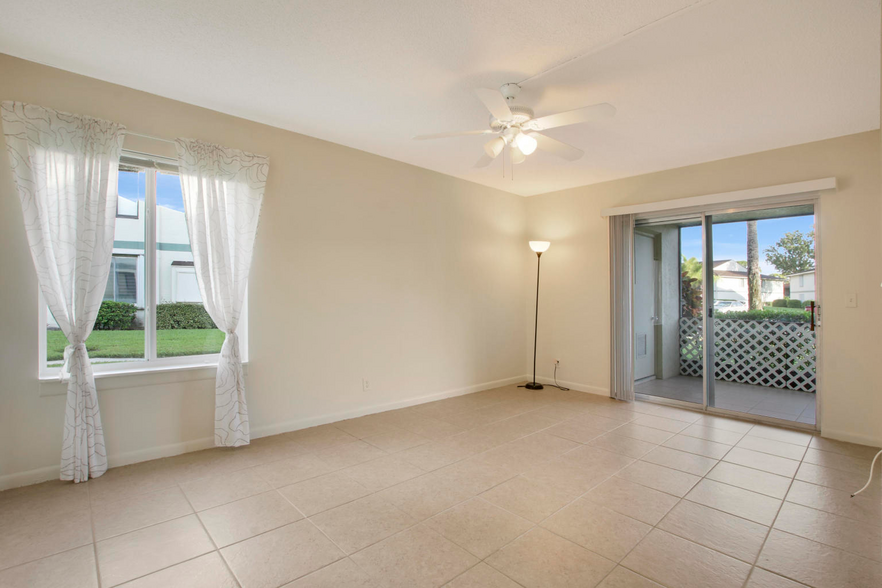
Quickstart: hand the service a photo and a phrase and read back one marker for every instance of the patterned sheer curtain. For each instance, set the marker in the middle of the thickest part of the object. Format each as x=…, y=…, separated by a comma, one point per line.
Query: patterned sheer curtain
x=65, y=168
x=223, y=191
x=621, y=296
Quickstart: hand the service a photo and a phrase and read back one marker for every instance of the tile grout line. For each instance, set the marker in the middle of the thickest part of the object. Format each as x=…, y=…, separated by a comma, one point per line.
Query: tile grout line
x=772, y=524
x=94, y=535
x=210, y=538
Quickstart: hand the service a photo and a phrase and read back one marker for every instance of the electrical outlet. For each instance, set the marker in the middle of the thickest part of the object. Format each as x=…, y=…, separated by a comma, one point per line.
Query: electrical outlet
x=365, y=385
x=851, y=300
x=556, y=362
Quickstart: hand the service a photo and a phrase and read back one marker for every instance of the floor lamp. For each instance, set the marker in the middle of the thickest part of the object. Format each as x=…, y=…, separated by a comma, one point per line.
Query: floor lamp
x=539, y=247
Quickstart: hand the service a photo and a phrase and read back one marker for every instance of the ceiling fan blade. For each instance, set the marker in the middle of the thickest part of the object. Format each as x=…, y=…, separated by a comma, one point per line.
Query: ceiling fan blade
x=495, y=103
x=453, y=134
x=572, y=117
x=559, y=148
x=484, y=161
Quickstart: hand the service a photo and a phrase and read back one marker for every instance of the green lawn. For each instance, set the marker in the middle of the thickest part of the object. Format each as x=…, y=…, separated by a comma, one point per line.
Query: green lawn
x=130, y=344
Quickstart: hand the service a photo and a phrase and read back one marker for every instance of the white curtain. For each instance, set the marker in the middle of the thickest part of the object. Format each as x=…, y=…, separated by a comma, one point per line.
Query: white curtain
x=621, y=296
x=65, y=168
x=223, y=190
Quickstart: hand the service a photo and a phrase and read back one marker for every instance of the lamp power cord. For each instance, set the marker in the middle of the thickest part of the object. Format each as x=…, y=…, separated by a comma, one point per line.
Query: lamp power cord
x=556, y=385
x=870, y=479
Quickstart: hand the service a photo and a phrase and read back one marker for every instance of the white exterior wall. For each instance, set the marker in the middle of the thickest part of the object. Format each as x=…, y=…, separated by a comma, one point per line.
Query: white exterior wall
x=176, y=283
x=735, y=288
x=728, y=288
x=802, y=286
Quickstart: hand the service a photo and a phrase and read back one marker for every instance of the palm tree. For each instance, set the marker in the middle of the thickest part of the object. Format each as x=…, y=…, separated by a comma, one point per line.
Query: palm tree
x=754, y=278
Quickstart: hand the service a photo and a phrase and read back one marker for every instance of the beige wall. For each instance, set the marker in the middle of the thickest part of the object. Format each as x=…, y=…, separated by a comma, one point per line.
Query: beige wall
x=574, y=310
x=364, y=267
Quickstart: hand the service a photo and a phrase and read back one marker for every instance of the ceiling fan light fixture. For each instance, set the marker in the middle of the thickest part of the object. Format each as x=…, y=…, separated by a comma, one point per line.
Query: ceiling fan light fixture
x=525, y=143
x=494, y=147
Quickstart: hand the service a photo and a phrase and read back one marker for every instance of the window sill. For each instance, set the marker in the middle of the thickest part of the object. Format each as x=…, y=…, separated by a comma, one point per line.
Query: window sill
x=132, y=378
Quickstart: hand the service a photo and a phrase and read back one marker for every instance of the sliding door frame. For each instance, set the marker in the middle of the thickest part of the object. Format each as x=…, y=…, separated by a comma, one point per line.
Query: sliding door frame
x=706, y=213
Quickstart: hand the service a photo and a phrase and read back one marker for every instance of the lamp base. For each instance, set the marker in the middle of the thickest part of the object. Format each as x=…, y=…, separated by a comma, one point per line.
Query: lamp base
x=533, y=386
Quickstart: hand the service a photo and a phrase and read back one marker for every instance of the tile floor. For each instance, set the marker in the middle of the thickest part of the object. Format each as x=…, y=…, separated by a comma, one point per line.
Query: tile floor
x=504, y=488
x=788, y=405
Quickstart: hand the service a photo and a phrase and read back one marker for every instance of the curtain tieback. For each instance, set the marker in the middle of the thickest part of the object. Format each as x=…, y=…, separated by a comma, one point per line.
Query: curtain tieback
x=64, y=374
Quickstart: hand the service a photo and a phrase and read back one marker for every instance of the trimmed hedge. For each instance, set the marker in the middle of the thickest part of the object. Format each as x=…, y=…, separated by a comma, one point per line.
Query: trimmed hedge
x=183, y=315
x=793, y=303
x=780, y=303
x=115, y=316
x=768, y=314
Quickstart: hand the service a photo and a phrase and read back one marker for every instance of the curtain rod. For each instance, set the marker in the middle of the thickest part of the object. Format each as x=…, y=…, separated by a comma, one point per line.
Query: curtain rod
x=149, y=137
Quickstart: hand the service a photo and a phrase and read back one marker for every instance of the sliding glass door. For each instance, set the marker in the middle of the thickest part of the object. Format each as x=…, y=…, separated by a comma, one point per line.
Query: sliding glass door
x=725, y=311
x=764, y=351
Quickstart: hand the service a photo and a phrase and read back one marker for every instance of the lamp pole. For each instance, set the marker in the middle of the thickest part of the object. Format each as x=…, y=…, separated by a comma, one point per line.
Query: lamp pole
x=539, y=247
x=533, y=385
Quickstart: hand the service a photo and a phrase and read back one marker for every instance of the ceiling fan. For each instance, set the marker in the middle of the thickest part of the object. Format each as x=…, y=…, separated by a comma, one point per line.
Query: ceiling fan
x=515, y=126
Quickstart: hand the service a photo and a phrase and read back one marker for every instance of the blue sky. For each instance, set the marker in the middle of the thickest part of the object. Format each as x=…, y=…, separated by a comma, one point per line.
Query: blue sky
x=168, y=189
x=730, y=239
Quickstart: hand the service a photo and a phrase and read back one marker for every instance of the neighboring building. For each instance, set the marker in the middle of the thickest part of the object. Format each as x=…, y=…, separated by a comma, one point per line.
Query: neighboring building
x=174, y=261
x=730, y=283
x=802, y=285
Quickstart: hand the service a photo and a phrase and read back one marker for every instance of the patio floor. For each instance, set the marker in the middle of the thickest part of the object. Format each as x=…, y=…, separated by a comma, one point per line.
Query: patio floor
x=759, y=400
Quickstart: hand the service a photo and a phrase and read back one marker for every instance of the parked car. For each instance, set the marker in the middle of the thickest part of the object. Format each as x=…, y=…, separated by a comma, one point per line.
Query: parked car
x=730, y=305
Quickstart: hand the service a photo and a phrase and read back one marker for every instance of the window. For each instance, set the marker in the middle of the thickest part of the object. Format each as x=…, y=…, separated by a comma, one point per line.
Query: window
x=801, y=281
x=127, y=208
x=123, y=283
x=152, y=315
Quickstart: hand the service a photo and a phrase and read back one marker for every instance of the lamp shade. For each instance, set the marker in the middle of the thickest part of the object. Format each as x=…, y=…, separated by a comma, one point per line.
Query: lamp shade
x=540, y=246
x=526, y=143
x=494, y=146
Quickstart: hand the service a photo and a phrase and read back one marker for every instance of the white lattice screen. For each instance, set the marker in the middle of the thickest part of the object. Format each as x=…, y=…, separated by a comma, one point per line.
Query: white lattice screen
x=763, y=353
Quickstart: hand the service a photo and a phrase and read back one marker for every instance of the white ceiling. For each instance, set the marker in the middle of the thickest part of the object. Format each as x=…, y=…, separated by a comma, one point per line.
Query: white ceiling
x=693, y=81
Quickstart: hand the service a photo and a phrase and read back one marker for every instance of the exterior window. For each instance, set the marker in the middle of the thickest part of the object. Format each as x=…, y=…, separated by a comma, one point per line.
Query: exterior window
x=801, y=281
x=152, y=314
x=123, y=281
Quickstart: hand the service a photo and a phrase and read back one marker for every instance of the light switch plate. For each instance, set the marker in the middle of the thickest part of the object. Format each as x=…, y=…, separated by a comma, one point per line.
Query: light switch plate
x=851, y=300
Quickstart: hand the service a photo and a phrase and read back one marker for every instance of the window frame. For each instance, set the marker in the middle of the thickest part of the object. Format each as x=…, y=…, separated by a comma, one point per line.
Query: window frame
x=151, y=362
x=139, y=283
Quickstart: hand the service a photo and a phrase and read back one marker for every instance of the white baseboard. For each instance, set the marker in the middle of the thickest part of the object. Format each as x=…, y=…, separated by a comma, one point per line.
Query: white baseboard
x=574, y=386
x=295, y=425
x=29, y=477
x=47, y=473
x=850, y=437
